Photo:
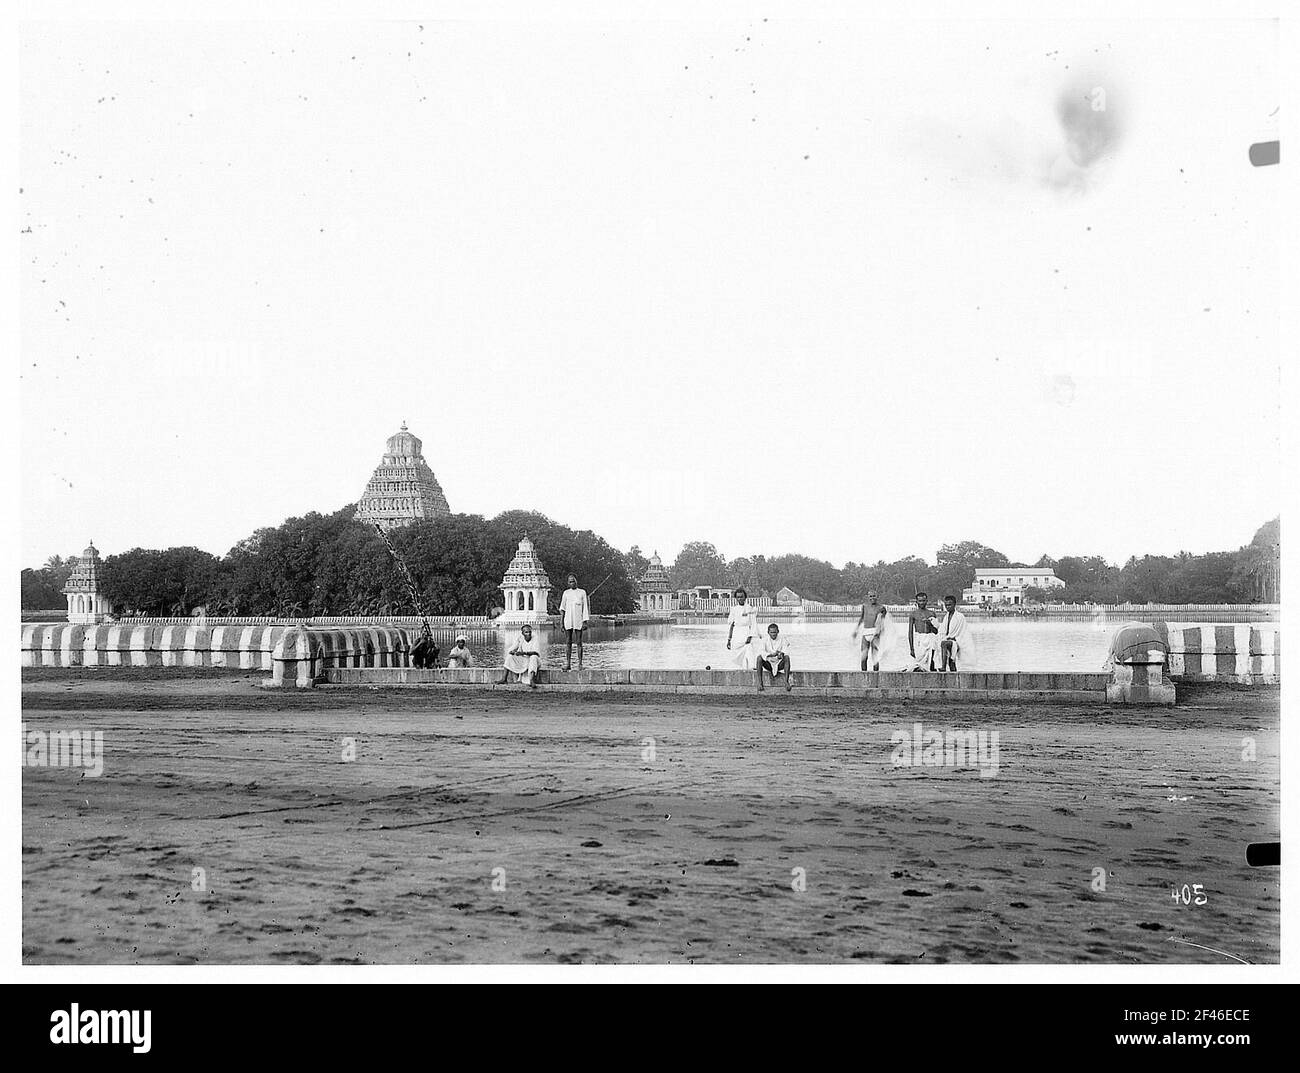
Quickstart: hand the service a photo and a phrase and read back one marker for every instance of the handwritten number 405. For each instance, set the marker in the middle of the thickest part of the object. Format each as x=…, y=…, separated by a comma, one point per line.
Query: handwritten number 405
x=1190, y=895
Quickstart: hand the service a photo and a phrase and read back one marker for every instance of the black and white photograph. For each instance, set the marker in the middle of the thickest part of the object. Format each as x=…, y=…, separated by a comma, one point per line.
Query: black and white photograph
x=662, y=492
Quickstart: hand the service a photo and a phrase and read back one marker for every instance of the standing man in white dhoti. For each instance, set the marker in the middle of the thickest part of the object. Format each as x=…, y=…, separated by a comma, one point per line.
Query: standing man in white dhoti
x=955, y=645
x=742, y=623
x=871, y=623
x=575, y=610
x=524, y=658
x=921, y=636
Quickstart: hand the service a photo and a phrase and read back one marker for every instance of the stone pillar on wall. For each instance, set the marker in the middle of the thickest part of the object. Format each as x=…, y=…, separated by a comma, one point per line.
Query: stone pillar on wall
x=1138, y=662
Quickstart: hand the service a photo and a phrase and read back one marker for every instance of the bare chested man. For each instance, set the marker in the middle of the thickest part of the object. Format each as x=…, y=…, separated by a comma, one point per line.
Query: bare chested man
x=920, y=635
x=870, y=623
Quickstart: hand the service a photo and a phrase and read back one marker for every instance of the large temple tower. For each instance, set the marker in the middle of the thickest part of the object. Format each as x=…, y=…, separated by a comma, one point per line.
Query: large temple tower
x=403, y=488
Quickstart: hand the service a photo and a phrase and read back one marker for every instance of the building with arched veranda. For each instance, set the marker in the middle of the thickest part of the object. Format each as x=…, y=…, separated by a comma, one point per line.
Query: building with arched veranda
x=87, y=604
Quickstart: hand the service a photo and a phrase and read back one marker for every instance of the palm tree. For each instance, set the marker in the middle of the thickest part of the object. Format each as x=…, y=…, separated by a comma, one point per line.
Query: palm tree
x=1263, y=568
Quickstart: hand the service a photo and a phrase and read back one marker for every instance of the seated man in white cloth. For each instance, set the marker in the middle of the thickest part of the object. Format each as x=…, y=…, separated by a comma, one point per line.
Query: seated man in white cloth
x=955, y=646
x=773, y=657
x=460, y=656
x=524, y=658
x=742, y=628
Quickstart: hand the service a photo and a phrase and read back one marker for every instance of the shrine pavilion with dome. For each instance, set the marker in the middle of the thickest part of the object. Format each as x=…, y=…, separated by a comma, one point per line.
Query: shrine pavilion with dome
x=655, y=591
x=526, y=588
x=87, y=604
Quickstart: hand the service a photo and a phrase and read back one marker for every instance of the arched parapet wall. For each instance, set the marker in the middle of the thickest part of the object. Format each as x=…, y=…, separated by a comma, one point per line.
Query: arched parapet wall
x=302, y=656
x=68, y=645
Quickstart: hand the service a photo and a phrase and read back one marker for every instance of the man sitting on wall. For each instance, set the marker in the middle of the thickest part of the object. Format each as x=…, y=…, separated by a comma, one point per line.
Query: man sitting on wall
x=773, y=657
x=424, y=653
x=524, y=658
x=460, y=655
x=954, y=640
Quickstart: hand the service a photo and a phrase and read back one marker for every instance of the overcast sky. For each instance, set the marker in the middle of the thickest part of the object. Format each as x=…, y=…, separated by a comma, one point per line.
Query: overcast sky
x=852, y=289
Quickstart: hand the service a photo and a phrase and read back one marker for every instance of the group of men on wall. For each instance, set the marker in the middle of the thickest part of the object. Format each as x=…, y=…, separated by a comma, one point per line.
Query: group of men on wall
x=524, y=657
x=937, y=640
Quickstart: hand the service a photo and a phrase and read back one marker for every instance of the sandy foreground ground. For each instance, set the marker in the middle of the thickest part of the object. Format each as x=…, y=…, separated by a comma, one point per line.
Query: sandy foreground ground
x=637, y=830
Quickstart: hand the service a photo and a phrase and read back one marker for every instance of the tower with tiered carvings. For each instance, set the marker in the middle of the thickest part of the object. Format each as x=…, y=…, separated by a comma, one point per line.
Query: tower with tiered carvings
x=526, y=587
x=87, y=604
x=655, y=594
x=403, y=488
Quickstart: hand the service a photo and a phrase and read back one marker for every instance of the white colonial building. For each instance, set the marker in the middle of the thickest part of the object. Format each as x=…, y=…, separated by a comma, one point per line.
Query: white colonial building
x=1007, y=584
x=713, y=598
x=526, y=587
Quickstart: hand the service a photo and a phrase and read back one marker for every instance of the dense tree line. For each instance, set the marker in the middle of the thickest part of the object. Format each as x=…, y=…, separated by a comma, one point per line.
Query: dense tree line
x=41, y=589
x=331, y=564
x=700, y=563
x=1251, y=574
x=170, y=581
x=459, y=562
